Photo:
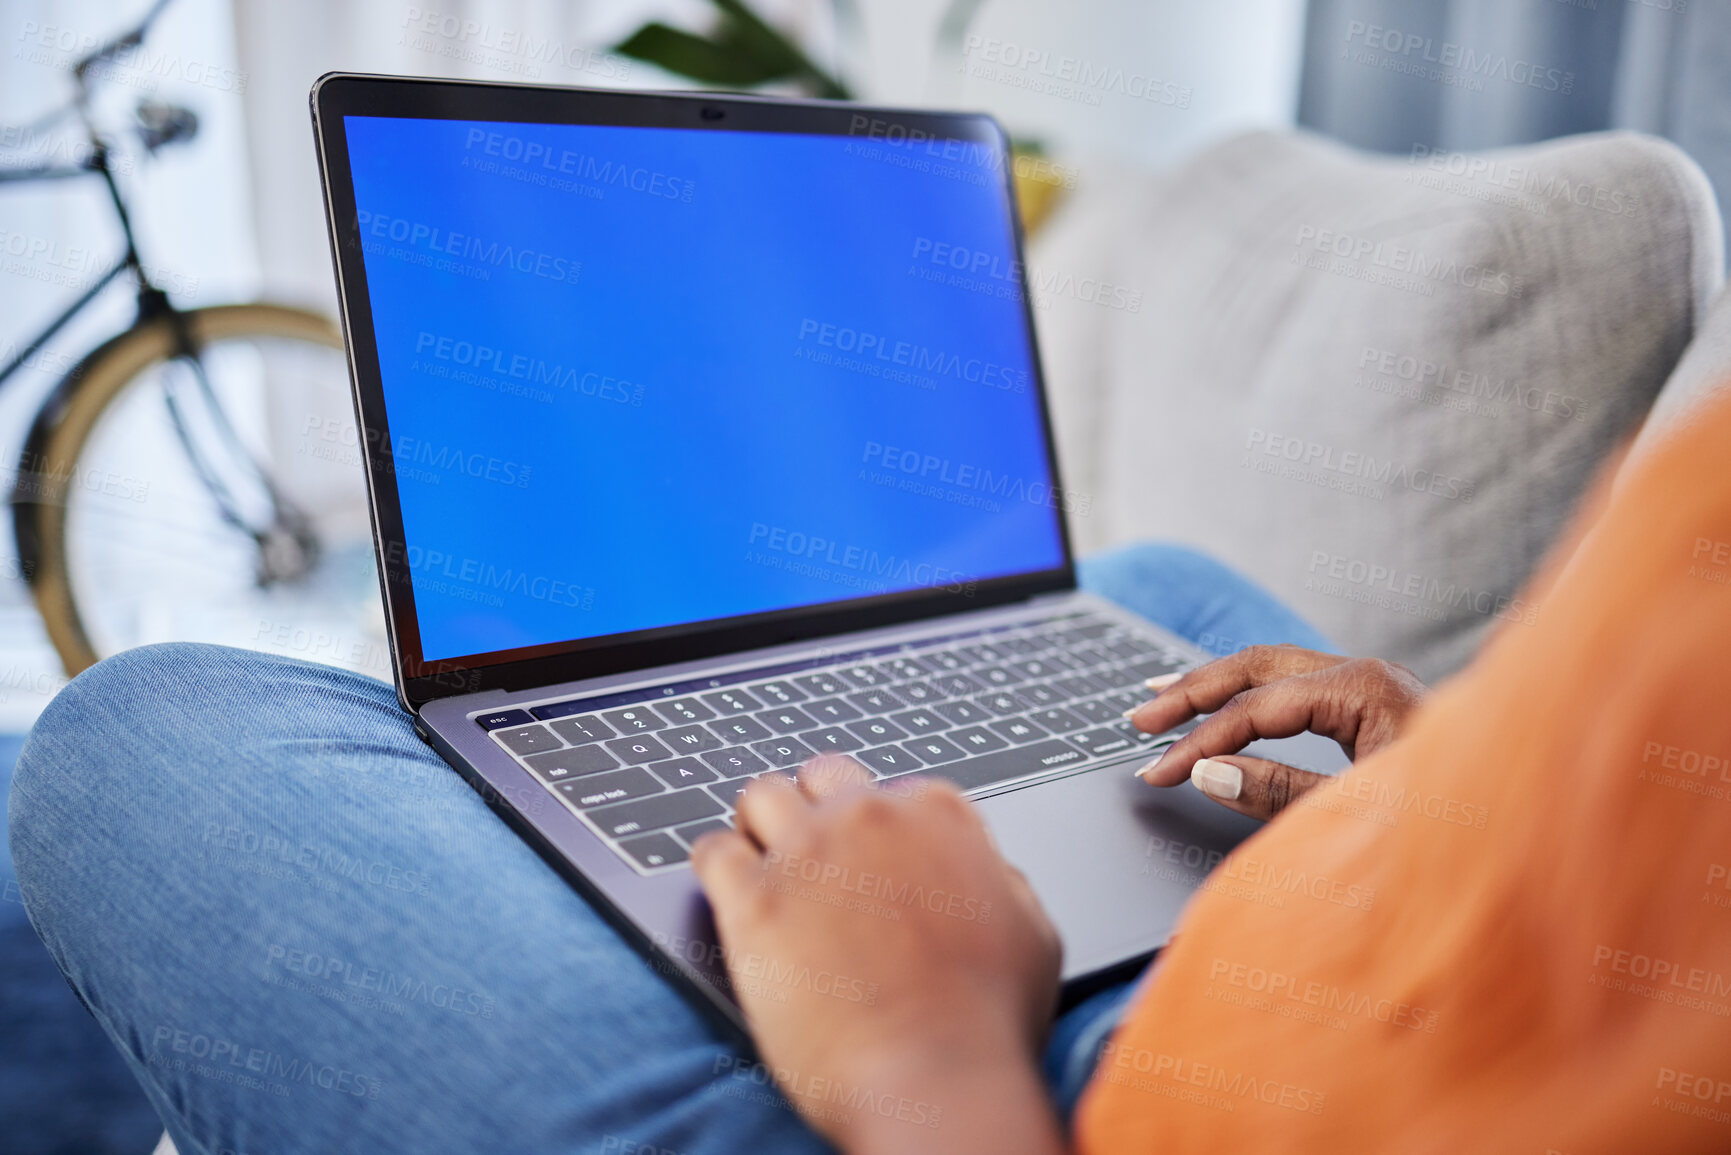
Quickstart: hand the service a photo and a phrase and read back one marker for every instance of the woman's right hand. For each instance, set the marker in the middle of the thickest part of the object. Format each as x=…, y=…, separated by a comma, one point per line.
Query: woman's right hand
x=1271, y=692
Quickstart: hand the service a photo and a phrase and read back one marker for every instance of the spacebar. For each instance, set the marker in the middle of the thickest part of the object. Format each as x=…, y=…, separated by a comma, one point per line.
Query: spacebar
x=1006, y=764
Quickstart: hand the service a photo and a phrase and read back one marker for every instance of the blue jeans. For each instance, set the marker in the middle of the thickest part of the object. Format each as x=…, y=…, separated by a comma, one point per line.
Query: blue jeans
x=304, y=932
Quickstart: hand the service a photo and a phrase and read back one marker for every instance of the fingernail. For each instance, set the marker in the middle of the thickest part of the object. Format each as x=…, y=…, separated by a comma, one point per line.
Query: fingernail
x=1147, y=767
x=1217, y=779
x=1131, y=712
x=1163, y=681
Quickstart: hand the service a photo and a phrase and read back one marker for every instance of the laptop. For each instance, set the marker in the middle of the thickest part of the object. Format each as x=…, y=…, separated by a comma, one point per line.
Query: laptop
x=705, y=434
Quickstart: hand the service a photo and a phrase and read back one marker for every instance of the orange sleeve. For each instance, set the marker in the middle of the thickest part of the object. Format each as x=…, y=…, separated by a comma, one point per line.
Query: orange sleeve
x=1509, y=931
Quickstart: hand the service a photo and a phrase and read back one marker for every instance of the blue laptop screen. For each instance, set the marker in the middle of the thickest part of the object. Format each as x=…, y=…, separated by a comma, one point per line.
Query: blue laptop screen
x=644, y=377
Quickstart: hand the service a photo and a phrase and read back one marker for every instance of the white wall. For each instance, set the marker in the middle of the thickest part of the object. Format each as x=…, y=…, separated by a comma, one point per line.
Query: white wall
x=237, y=214
x=193, y=217
x=1234, y=62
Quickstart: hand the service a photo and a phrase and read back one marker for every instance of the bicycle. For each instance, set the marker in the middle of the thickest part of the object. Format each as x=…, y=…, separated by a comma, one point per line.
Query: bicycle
x=231, y=543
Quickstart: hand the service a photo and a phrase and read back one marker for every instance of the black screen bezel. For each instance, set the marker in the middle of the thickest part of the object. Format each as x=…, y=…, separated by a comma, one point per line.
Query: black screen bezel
x=337, y=95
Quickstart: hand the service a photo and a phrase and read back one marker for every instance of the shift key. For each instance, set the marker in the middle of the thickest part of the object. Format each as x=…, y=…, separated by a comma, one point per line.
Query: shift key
x=614, y=786
x=655, y=813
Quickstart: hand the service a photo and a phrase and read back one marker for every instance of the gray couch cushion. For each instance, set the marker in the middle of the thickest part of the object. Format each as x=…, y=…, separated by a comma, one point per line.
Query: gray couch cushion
x=1703, y=373
x=1376, y=385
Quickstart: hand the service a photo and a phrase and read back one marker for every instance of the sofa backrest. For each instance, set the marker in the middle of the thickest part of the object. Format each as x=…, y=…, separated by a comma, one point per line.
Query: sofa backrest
x=1703, y=373
x=1376, y=385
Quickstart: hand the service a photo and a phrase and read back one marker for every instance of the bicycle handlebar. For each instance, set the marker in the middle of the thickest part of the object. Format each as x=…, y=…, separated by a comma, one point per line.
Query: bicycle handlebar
x=158, y=124
x=119, y=44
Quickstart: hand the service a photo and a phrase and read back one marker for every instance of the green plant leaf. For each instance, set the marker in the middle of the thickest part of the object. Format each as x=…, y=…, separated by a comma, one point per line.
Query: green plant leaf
x=744, y=32
x=744, y=28
x=742, y=52
x=697, y=57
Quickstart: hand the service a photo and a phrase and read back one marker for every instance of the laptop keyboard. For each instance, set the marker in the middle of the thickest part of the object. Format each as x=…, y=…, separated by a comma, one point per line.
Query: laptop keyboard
x=653, y=769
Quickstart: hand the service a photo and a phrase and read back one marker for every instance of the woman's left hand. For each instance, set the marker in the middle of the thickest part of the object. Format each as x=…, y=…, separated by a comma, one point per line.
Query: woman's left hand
x=1272, y=692
x=898, y=975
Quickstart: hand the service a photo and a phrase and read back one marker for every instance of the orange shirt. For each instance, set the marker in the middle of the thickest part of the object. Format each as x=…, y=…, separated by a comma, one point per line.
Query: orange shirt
x=1508, y=931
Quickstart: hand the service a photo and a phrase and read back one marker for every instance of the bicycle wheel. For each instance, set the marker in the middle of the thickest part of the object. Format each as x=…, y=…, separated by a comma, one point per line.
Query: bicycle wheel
x=120, y=530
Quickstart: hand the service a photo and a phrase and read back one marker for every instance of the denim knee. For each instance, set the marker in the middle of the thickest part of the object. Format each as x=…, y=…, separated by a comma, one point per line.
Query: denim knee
x=1127, y=567
x=130, y=695
x=1196, y=597
x=147, y=731
x=73, y=769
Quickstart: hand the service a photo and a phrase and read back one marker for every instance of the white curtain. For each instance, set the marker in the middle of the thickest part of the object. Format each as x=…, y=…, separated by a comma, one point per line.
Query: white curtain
x=1477, y=74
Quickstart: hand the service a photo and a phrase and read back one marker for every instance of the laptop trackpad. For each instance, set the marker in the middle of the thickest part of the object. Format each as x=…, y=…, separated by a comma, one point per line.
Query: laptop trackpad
x=1114, y=860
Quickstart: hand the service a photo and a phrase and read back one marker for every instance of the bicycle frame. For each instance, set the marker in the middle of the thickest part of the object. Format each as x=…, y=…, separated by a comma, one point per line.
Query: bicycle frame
x=152, y=301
